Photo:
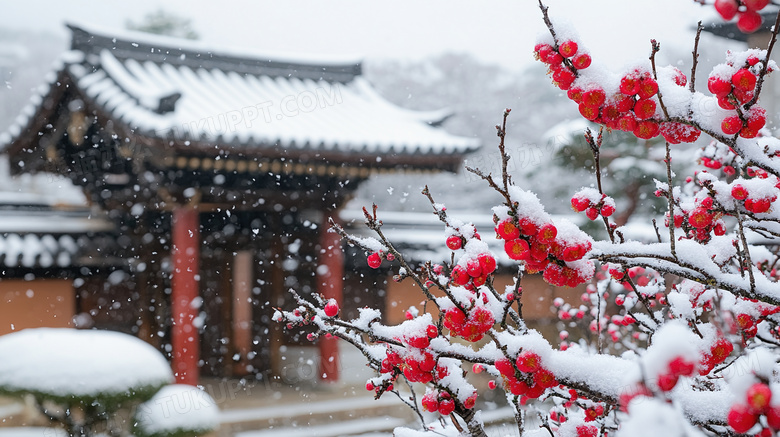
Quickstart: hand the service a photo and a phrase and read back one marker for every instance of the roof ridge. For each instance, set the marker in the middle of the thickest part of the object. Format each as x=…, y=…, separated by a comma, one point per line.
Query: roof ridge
x=162, y=49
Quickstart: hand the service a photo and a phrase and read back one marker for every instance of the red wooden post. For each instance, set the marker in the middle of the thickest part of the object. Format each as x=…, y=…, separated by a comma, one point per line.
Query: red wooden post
x=184, y=289
x=331, y=282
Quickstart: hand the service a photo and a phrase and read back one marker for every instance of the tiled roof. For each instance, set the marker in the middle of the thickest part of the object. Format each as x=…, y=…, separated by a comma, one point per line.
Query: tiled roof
x=173, y=89
x=30, y=250
x=36, y=237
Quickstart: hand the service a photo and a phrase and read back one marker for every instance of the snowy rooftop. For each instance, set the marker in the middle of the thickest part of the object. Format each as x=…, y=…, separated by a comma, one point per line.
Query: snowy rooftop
x=45, y=221
x=173, y=89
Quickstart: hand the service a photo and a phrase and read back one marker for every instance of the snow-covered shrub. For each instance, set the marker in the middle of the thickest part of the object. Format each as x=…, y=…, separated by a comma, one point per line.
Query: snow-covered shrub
x=81, y=378
x=177, y=411
x=684, y=336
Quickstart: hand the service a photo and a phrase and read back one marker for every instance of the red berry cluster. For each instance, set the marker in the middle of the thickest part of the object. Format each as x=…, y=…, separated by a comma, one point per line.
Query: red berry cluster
x=375, y=259
x=743, y=416
x=633, y=108
x=755, y=119
x=746, y=11
x=566, y=312
x=756, y=202
x=699, y=221
x=587, y=431
x=471, y=271
x=676, y=133
x=459, y=237
x=471, y=325
x=474, y=272
x=704, y=219
x=734, y=84
x=454, y=242
x=638, y=274
x=628, y=395
x=600, y=204
x=718, y=353
x=564, y=61
x=591, y=413
x=747, y=325
x=594, y=412
x=422, y=341
x=542, y=249
x=749, y=316
x=716, y=164
x=417, y=366
x=717, y=156
x=556, y=416
x=331, y=308
x=442, y=402
x=677, y=367
x=390, y=368
x=422, y=368
x=531, y=381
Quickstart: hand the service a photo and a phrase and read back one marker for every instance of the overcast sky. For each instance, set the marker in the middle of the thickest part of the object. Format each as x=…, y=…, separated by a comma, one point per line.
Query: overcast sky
x=494, y=31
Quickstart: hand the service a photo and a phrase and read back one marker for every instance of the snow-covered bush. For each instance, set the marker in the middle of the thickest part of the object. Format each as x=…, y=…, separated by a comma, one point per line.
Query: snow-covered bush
x=177, y=411
x=80, y=379
x=684, y=336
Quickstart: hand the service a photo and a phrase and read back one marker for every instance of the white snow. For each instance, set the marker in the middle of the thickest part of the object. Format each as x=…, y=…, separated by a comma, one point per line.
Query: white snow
x=342, y=428
x=319, y=407
x=652, y=418
x=263, y=109
x=63, y=362
x=178, y=407
x=32, y=431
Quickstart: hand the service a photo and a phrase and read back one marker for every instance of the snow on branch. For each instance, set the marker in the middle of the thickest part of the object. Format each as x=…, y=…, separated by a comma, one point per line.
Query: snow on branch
x=680, y=336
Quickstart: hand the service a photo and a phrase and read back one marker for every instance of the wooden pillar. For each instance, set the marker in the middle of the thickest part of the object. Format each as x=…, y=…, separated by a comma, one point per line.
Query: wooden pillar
x=242, y=309
x=185, y=289
x=330, y=273
x=276, y=340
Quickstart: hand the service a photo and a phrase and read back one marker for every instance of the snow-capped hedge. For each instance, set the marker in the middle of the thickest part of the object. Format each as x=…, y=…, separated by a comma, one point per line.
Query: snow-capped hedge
x=177, y=411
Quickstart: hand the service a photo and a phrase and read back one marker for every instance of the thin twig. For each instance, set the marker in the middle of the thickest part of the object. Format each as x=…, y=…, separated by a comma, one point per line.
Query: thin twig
x=656, y=47
x=598, y=320
x=765, y=65
x=375, y=225
x=746, y=249
x=692, y=84
x=670, y=196
x=547, y=22
x=414, y=402
x=502, y=149
x=657, y=233
x=642, y=298
x=595, y=148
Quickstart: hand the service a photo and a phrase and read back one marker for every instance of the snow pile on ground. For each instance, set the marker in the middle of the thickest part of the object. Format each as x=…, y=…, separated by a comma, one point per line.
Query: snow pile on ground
x=177, y=410
x=32, y=431
x=65, y=363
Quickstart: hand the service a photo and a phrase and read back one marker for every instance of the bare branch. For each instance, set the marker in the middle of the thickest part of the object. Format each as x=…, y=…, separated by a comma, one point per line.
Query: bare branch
x=695, y=53
x=765, y=63
x=670, y=197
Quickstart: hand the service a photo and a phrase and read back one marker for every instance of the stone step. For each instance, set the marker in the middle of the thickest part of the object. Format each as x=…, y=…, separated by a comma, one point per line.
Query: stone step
x=378, y=426
x=308, y=414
